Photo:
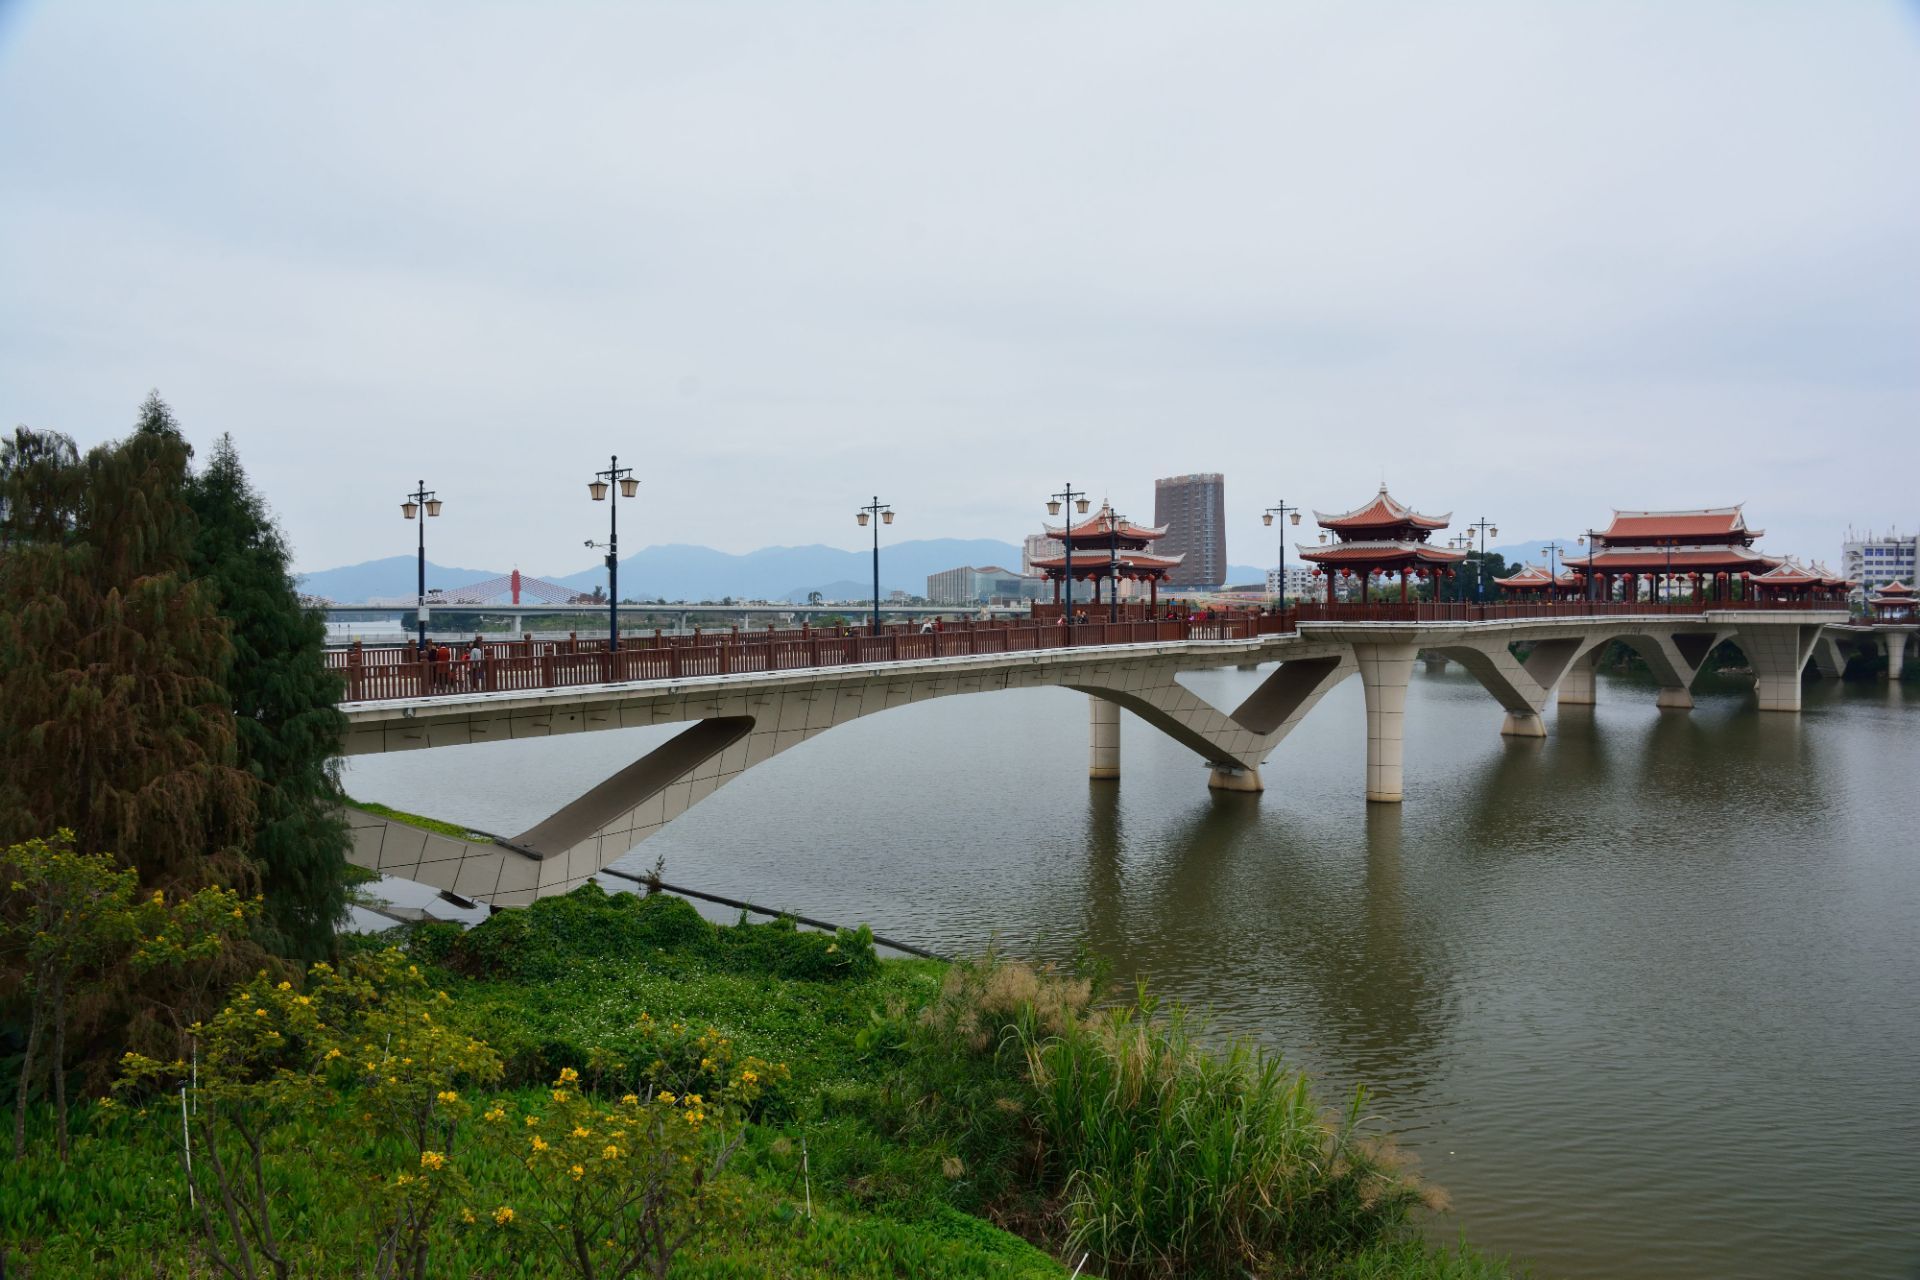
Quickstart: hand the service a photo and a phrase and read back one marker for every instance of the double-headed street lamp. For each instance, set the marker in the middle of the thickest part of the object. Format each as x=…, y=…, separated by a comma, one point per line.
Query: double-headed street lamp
x=601, y=484
x=1485, y=527
x=421, y=497
x=1591, y=541
x=865, y=516
x=1078, y=500
x=1553, y=574
x=1285, y=513
x=1113, y=564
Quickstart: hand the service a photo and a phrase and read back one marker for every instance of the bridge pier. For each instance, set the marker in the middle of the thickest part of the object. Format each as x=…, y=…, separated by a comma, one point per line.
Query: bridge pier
x=1896, y=642
x=1385, y=670
x=1103, y=738
x=1778, y=655
x=1227, y=777
x=1674, y=699
x=1523, y=724
x=1580, y=687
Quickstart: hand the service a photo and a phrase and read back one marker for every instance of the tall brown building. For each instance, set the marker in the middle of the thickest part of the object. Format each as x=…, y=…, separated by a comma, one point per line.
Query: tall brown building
x=1194, y=510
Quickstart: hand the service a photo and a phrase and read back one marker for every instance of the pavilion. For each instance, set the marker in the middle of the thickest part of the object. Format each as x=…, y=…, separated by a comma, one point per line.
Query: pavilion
x=1533, y=581
x=1381, y=537
x=1107, y=546
x=1791, y=580
x=1895, y=604
x=1711, y=548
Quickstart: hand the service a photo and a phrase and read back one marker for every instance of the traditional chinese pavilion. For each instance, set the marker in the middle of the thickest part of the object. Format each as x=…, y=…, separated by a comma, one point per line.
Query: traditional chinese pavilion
x=1381, y=537
x=1894, y=603
x=1105, y=546
x=1711, y=548
x=1791, y=580
x=1534, y=582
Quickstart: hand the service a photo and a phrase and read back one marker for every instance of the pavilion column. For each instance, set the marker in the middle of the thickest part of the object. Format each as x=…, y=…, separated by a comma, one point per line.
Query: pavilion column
x=1103, y=738
x=1385, y=670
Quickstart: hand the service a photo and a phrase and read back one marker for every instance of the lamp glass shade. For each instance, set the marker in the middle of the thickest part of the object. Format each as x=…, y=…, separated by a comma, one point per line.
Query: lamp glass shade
x=409, y=509
x=1082, y=504
x=1053, y=507
x=1494, y=531
x=598, y=488
x=433, y=506
x=1323, y=539
x=861, y=516
x=629, y=487
x=1295, y=517
x=886, y=517
x=1267, y=519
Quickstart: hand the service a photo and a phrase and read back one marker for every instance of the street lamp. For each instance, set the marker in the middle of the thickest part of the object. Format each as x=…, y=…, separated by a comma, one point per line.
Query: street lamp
x=1591, y=541
x=1553, y=574
x=1485, y=527
x=421, y=497
x=601, y=484
x=1078, y=501
x=865, y=516
x=1284, y=511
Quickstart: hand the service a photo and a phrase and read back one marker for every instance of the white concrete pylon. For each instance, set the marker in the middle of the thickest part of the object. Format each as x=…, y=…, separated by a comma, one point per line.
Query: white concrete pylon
x=1103, y=738
x=1896, y=654
x=1778, y=653
x=1579, y=687
x=1385, y=670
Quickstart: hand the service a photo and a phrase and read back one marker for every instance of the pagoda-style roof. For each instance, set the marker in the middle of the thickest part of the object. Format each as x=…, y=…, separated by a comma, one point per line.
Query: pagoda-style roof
x=1380, y=513
x=1533, y=577
x=1894, y=593
x=1790, y=573
x=1379, y=553
x=1830, y=578
x=1696, y=526
x=1103, y=527
x=1721, y=557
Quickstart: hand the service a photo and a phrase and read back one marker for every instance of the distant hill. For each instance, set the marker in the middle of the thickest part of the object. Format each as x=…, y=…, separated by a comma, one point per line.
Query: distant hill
x=683, y=572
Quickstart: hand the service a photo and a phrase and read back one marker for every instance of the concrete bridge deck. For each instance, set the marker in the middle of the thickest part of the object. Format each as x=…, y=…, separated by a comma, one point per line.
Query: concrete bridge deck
x=739, y=718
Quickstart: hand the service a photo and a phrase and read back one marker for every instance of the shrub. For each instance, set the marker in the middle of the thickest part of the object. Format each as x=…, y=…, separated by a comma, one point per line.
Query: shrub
x=542, y=942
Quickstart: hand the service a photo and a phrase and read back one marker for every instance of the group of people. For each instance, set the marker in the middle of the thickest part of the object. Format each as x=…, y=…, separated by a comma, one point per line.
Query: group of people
x=448, y=670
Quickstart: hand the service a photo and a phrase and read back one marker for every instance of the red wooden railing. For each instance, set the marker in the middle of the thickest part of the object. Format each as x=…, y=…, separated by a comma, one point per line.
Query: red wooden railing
x=382, y=674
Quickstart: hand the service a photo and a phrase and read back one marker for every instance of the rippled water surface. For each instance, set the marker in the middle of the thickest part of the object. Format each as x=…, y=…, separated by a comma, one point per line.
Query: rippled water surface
x=1644, y=997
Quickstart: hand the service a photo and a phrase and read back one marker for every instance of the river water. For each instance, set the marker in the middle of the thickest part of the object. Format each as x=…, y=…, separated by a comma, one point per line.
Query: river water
x=1643, y=997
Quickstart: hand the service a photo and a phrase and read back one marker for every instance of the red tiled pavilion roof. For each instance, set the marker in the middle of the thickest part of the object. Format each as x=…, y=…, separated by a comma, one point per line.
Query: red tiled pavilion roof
x=1095, y=526
x=1380, y=554
x=1382, y=512
x=1095, y=565
x=1698, y=523
x=1894, y=591
x=1652, y=559
x=1534, y=576
x=1789, y=574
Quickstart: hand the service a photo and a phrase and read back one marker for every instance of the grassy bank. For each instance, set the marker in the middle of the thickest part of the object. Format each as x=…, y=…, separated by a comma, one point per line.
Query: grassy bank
x=906, y=1118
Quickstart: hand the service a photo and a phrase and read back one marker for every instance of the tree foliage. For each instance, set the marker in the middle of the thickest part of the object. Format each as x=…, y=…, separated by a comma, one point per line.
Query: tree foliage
x=284, y=704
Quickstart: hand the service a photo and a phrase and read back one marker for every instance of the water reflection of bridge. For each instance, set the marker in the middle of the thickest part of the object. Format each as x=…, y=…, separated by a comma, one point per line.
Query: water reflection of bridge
x=746, y=699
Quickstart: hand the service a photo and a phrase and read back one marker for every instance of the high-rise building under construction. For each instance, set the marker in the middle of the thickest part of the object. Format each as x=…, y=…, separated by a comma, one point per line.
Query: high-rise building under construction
x=1194, y=510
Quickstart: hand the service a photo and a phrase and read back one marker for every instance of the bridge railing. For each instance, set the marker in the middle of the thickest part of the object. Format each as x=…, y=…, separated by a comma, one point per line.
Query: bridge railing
x=1429, y=611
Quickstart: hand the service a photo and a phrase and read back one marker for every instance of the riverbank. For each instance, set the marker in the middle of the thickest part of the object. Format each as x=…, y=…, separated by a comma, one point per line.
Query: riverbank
x=917, y=1118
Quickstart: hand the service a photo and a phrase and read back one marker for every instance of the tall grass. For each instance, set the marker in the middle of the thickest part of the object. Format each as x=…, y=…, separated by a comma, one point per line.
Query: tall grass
x=1161, y=1154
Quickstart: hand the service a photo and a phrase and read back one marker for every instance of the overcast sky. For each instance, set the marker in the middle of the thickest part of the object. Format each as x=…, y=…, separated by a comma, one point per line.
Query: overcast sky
x=1526, y=260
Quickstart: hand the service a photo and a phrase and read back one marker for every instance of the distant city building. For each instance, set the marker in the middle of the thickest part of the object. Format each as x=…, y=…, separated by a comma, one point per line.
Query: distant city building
x=1876, y=561
x=1038, y=547
x=1193, y=510
x=1301, y=584
x=988, y=585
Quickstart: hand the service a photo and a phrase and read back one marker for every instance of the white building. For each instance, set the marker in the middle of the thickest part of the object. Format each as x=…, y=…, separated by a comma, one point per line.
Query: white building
x=1301, y=584
x=1038, y=547
x=1874, y=560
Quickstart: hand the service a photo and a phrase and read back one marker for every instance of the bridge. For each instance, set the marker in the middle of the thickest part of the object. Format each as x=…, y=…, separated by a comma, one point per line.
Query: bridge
x=747, y=697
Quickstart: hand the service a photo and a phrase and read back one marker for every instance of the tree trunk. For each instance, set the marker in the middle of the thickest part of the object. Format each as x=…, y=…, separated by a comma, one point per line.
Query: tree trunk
x=59, y=1064
x=27, y=1065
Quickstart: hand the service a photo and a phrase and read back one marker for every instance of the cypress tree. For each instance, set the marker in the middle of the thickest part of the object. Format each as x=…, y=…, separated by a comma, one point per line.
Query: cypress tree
x=113, y=719
x=284, y=704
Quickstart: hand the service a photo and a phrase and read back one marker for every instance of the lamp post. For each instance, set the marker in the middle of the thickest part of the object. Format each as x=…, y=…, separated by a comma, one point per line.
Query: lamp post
x=1078, y=501
x=1284, y=511
x=420, y=504
x=1591, y=541
x=1113, y=564
x=865, y=516
x=600, y=486
x=1553, y=574
x=1485, y=527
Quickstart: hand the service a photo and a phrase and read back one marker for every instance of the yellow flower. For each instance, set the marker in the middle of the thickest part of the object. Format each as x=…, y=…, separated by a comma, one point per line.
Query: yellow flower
x=238, y=914
x=578, y=1172
x=259, y=1013
x=495, y=1116
x=448, y=1095
x=630, y=1099
x=432, y=1160
x=611, y=1153
x=284, y=986
x=466, y=1216
x=559, y=1095
x=503, y=1215
x=749, y=1075
x=667, y=1097
x=303, y=999
x=532, y=1121
x=333, y=1053
x=580, y=1131
x=568, y=1075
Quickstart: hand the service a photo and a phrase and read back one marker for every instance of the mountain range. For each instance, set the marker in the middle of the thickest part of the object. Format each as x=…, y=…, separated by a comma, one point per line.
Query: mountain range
x=679, y=571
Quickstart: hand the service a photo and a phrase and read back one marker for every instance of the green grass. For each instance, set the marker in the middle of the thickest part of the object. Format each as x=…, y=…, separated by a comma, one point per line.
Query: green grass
x=416, y=820
x=933, y=1105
